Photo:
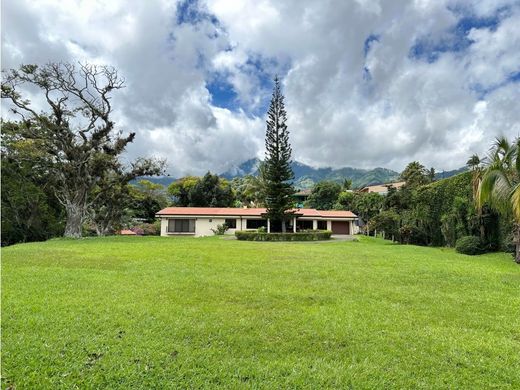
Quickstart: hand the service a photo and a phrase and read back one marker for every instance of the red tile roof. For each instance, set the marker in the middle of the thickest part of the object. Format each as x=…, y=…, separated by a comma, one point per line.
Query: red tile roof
x=336, y=214
x=216, y=211
x=252, y=212
x=127, y=232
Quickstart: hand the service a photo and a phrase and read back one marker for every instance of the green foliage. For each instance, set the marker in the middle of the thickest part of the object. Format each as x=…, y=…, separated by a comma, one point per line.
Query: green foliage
x=441, y=212
x=310, y=235
x=207, y=191
x=346, y=185
x=411, y=234
x=499, y=186
x=367, y=205
x=415, y=174
x=220, y=230
x=146, y=198
x=278, y=172
x=324, y=195
x=250, y=190
x=447, y=201
x=180, y=190
x=457, y=221
x=30, y=211
x=211, y=191
x=345, y=201
x=386, y=221
x=469, y=245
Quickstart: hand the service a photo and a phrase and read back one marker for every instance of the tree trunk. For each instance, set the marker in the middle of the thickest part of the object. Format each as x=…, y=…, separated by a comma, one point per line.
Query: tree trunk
x=481, y=226
x=283, y=226
x=73, y=226
x=517, y=244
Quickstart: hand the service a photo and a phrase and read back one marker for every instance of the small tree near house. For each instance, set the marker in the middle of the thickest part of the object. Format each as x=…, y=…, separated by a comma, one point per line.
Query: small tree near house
x=279, y=189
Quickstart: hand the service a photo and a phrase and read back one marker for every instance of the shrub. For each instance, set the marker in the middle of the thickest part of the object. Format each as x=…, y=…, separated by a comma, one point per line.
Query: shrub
x=262, y=229
x=313, y=235
x=138, y=230
x=220, y=230
x=147, y=229
x=410, y=234
x=469, y=245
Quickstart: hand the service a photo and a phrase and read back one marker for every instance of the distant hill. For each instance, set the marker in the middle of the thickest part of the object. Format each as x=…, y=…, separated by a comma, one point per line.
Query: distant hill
x=446, y=174
x=163, y=180
x=306, y=176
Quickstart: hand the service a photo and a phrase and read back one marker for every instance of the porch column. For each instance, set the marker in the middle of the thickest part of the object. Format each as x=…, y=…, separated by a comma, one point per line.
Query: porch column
x=329, y=225
x=314, y=224
x=294, y=225
x=268, y=225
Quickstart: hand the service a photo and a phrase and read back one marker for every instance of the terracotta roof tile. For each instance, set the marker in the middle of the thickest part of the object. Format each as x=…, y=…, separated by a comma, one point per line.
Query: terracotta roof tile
x=211, y=211
x=253, y=212
x=337, y=214
x=127, y=232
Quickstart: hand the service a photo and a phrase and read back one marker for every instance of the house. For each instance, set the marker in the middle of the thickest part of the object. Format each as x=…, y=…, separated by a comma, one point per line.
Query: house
x=198, y=221
x=302, y=195
x=382, y=189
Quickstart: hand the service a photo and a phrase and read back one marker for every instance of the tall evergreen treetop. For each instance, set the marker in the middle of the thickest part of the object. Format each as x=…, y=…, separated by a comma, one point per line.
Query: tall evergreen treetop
x=279, y=174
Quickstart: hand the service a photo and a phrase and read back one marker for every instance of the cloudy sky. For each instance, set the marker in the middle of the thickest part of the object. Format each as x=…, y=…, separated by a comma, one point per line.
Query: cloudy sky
x=368, y=83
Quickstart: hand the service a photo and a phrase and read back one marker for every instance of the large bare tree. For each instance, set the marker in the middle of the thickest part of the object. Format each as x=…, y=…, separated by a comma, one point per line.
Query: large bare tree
x=74, y=124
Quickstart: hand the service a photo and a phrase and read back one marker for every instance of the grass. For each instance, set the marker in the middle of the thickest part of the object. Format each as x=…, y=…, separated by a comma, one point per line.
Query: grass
x=151, y=312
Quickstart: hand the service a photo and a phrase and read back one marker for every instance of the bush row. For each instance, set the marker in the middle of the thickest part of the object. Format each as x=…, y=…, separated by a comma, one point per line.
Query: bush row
x=312, y=235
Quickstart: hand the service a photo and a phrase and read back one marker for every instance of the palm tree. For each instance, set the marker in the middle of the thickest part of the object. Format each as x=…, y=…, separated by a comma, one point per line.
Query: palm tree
x=347, y=184
x=474, y=163
x=500, y=184
x=253, y=187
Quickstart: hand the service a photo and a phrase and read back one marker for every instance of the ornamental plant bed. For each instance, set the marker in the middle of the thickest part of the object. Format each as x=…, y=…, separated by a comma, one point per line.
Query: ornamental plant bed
x=310, y=235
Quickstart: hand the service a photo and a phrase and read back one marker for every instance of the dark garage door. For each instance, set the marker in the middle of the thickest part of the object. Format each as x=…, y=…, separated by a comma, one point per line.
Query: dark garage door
x=340, y=227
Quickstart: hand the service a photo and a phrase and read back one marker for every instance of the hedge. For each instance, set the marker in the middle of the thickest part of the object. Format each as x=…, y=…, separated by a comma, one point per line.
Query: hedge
x=312, y=235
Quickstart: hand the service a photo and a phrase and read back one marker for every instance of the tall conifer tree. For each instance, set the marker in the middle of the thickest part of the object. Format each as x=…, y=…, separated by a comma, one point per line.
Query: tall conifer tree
x=279, y=190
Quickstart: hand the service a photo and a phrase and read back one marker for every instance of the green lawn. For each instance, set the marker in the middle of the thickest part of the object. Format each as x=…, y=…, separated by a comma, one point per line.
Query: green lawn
x=151, y=312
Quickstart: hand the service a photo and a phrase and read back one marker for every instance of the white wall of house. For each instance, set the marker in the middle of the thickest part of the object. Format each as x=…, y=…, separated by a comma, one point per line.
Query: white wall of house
x=203, y=226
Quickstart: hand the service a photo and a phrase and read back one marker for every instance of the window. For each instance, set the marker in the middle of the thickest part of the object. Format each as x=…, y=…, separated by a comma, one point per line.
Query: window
x=255, y=223
x=181, y=226
x=322, y=225
x=231, y=223
x=304, y=225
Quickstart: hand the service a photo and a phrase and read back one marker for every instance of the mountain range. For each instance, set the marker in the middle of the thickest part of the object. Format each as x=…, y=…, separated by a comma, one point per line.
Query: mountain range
x=306, y=176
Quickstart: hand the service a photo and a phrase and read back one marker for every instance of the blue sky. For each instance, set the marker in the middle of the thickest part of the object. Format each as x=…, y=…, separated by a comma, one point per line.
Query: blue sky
x=367, y=83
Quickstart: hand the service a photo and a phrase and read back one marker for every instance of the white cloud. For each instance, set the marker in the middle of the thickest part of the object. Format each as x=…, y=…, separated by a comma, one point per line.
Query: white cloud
x=384, y=109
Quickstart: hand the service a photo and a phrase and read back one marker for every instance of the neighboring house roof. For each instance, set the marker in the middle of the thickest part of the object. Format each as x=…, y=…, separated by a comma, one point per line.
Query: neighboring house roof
x=382, y=187
x=305, y=192
x=250, y=212
x=127, y=232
